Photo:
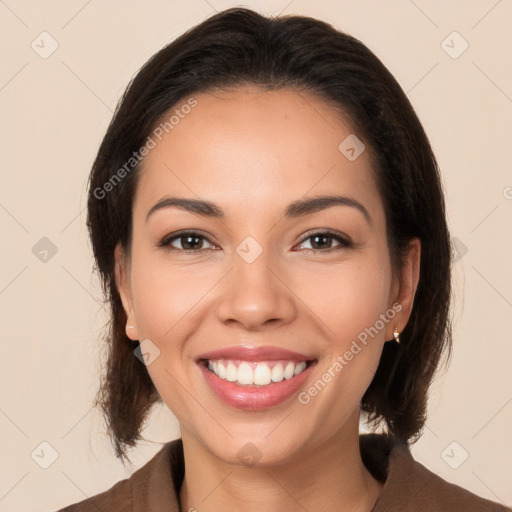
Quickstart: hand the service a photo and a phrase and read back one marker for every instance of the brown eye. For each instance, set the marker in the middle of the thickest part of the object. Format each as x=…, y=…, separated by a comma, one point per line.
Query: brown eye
x=322, y=242
x=186, y=241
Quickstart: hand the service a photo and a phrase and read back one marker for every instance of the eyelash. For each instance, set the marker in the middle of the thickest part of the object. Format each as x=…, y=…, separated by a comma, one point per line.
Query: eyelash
x=166, y=241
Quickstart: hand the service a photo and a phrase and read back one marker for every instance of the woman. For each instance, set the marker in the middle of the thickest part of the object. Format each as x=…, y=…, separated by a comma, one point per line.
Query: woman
x=268, y=222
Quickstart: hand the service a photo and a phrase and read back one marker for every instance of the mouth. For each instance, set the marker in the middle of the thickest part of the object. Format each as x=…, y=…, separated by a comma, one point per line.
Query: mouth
x=261, y=373
x=255, y=379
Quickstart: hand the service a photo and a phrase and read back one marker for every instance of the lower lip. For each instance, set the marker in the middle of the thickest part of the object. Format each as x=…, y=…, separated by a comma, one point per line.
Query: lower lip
x=255, y=397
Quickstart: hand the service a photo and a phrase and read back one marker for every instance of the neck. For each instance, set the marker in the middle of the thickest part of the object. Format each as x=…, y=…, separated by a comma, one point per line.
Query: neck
x=330, y=476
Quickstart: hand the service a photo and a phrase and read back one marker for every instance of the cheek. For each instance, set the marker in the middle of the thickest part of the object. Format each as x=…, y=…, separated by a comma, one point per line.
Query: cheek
x=165, y=295
x=360, y=320
x=348, y=298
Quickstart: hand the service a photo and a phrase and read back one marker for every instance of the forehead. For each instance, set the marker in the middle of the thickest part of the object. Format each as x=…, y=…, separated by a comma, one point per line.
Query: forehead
x=252, y=148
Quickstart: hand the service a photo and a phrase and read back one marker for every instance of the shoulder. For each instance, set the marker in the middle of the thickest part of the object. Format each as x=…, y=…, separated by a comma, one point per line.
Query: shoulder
x=409, y=486
x=430, y=492
x=118, y=497
x=151, y=487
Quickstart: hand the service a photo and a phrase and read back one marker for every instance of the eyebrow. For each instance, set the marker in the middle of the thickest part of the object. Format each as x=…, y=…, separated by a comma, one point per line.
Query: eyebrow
x=295, y=209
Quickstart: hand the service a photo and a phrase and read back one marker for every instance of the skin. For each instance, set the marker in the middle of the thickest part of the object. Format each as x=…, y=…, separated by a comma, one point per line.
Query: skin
x=253, y=152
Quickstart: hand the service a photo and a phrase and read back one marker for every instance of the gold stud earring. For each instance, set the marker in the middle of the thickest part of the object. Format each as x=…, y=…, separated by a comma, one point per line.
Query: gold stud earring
x=396, y=335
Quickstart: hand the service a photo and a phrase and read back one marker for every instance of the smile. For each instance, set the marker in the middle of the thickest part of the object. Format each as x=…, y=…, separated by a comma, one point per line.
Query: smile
x=249, y=395
x=255, y=378
x=262, y=373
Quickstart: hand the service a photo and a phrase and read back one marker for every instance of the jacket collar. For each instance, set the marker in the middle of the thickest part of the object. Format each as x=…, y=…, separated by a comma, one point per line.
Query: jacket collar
x=155, y=486
x=408, y=486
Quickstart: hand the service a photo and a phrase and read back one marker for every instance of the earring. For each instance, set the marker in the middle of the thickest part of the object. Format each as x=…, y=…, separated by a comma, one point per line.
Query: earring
x=135, y=343
x=396, y=335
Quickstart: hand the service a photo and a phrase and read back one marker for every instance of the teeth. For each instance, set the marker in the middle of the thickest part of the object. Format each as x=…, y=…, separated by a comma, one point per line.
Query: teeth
x=278, y=373
x=222, y=370
x=259, y=374
x=299, y=368
x=289, y=371
x=262, y=375
x=231, y=373
x=245, y=374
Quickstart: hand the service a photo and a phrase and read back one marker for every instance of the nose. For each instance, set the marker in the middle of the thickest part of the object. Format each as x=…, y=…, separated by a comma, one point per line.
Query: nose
x=256, y=295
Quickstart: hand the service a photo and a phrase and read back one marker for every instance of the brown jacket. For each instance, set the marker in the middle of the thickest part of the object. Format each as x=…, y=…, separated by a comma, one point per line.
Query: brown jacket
x=408, y=485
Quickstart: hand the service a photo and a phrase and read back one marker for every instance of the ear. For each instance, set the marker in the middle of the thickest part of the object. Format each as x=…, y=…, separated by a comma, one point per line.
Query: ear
x=407, y=285
x=122, y=279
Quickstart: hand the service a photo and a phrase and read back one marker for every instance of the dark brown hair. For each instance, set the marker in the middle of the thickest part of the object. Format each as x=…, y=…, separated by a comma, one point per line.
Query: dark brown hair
x=239, y=47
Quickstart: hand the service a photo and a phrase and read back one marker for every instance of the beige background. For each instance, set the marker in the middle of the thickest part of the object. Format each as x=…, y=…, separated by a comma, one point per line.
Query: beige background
x=54, y=113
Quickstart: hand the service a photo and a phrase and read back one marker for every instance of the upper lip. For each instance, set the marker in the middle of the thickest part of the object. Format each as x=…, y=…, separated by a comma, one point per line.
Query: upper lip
x=254, y=354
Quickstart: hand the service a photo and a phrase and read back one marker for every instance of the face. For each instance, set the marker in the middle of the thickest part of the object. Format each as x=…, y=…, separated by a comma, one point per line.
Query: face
x=261, y=284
